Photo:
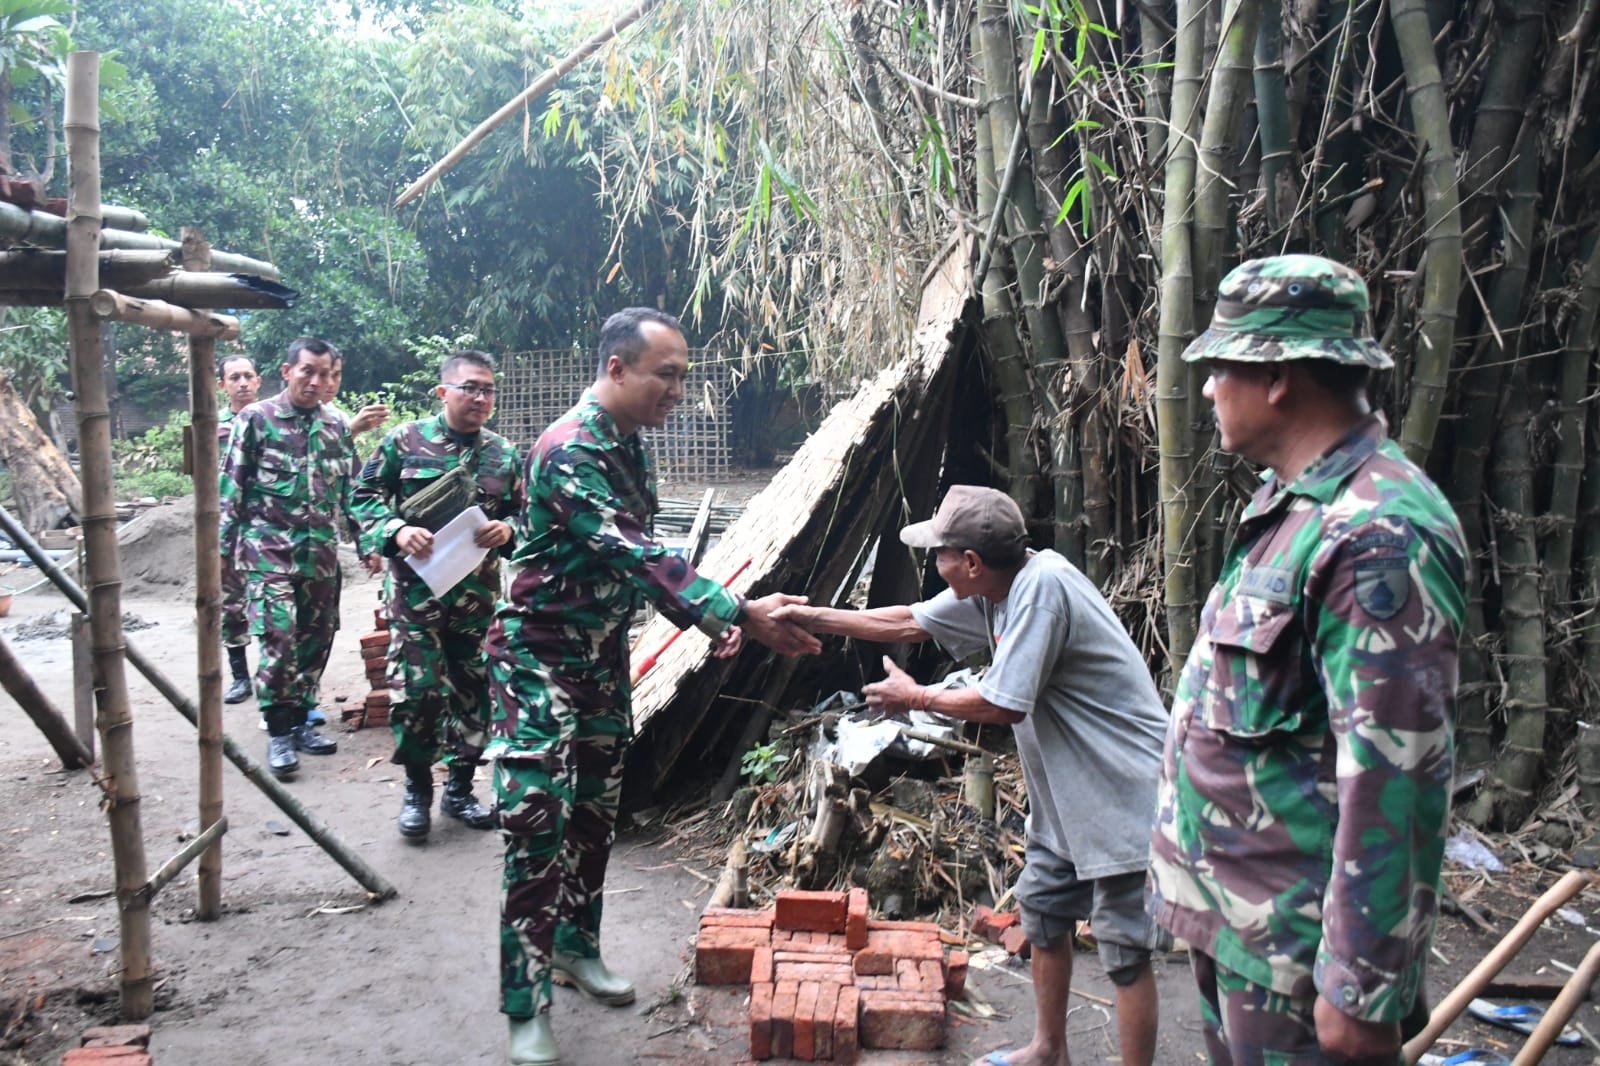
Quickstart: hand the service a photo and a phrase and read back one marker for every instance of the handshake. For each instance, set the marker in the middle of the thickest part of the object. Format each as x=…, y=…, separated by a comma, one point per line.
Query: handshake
x=770, y=620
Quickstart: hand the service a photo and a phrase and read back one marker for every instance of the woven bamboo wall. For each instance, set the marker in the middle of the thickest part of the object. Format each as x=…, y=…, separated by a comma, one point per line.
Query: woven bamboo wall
x=536, y=388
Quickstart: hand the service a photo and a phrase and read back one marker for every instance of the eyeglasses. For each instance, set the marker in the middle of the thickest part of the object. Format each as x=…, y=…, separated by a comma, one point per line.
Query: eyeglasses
x=471, y=389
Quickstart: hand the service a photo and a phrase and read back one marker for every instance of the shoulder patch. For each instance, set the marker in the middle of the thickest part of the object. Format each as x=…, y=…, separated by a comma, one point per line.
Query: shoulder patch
x=1383, y=586
x=1272, y=583
x=1378, y=538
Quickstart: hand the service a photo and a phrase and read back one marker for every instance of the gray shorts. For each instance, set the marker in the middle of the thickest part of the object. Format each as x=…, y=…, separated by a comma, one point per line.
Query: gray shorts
x=1052, y=900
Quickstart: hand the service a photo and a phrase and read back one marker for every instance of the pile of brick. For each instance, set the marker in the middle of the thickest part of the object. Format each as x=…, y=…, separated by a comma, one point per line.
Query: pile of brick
x=826, y=981
x=1001, y=927
x=112, y=1045
x=374, y=710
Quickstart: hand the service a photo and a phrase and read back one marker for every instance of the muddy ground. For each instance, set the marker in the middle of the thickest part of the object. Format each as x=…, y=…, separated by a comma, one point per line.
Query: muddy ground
x=299, y=970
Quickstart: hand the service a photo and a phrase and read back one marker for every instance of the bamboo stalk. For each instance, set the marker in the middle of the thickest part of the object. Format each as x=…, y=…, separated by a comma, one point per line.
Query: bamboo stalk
x=1218, y=153
x=207, y=585
x=522, y=99
x=1567, y=463
x=39, y=268
x=253, y=771
x=1441, y=265
x=1450, y=1008
x=115, y=717
x=208, y=840
x=1279, y=183
x=37, y=706
x=1573, y=993
x=157, y=314
x=19, y=225
x=212, y=289
x=1177, y=328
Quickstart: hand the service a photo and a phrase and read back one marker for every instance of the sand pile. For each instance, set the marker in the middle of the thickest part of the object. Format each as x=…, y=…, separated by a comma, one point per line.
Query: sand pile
x=157, y=549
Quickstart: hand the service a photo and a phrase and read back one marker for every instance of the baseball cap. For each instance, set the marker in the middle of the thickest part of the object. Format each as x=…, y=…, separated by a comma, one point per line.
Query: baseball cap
x=971, y=517
x=1290, y=307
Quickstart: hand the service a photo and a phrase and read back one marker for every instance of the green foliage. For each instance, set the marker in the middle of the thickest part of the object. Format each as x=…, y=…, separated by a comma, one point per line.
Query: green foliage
x=763, y=764
x=33, y=354
x=151, y=464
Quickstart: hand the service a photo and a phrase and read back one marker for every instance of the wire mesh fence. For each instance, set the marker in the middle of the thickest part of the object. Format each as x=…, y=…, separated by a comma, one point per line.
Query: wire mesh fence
x=694, y=446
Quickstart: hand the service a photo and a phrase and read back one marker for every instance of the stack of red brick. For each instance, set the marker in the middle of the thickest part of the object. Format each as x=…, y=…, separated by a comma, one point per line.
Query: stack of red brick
x=112, y=1045
x=1001, y=927
x=826, y=981
x=374, y=710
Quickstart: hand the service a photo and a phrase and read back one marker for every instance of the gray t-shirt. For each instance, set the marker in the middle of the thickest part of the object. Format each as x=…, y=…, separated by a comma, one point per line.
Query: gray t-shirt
x=1090, y=743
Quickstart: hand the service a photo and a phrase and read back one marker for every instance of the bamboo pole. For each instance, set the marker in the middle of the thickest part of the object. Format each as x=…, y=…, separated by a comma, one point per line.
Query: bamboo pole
x=1441, y=263
x=1471, y=986
x=253, y=771
x=213, y=289
x=1567, y=464
x=157, y=314
x=1573, y=993
x=19, y=225
x=100, y=531
x=206, y=841
x=38, y=268
x=37, y=706
x=207, y=584
x=525, y=97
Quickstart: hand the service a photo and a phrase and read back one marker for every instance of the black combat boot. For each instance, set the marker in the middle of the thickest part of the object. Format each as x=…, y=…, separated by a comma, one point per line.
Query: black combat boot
x=239, y=690
x=415, y=819
x=459, y=802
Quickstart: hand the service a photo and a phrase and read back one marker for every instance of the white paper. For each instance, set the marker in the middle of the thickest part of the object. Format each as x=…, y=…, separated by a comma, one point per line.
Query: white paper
x=454, y=556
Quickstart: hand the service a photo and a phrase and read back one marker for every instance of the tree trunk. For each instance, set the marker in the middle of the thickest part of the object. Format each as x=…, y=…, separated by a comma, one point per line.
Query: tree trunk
x=47, y=492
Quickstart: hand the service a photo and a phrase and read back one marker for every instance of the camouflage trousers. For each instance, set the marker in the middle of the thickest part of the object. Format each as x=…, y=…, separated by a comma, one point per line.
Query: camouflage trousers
x=558, y=799
x=438, y=681
x=295, y=619
x=235, y=614
x=1245, y=1024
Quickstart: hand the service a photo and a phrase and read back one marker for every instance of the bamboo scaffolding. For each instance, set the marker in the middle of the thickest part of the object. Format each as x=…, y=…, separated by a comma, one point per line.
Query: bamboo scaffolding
x=539, y=87
x=213, y=289
x=157, y=314
x=34, y=268
x=254, y=772
x=203, y=446
x=115, y=717
x=20, y=225
x=44, y=714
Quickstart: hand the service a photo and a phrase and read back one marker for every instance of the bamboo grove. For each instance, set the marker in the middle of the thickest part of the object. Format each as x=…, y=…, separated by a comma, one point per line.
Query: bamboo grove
x=1111, y=164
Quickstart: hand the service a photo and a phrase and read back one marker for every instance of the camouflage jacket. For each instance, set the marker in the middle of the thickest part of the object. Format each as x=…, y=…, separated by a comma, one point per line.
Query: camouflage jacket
x=589, y=559
x=410, y=457
x=1305, y=784
x=286, y=480
x=225, y=419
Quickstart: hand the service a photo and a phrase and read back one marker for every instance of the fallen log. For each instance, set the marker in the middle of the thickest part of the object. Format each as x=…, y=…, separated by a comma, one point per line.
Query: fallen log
x=48, y=493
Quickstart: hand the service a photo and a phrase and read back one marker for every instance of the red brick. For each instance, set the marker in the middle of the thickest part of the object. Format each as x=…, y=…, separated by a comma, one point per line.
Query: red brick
x=932, y=975
x=761, y=1020
x=814, y=951
x=805, y=1021
x=107, y=1056
x=374, y=651
x=377, y=698
x=380, y=619
x=876, y=982
x=761, y=966
x=117, y=1036
x=784, y=997
x=906, y=1023
x=817, y=912
x=955, y=975
x=905, y=945
x=827, y=1005
x=810, y=971
x=1015, y=941
x=874, y=962
x=846, y=1041
x=379, y=639
x=736, y=916
x=991, y=925
x=855, y=919
x=375, y=717
x=907, y=976
x=879, y=925
x=723, y=954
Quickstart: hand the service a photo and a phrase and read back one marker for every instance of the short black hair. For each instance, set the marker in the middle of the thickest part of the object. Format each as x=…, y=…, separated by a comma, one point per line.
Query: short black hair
x=622, y=337
x=469, y=356
x=314, y=345
x=1004, y=558
x=222, y=367
x=1343, y=380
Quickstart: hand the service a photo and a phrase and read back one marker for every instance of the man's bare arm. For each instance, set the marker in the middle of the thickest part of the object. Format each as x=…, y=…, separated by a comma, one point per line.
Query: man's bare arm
x=881, y=625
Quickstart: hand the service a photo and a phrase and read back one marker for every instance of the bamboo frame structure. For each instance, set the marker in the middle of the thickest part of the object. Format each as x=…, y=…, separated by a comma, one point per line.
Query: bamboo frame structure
x=44, y=714
x=203, y=447
x=158, y=314
x=115, y=717
x=28, y=268
x=50, y=231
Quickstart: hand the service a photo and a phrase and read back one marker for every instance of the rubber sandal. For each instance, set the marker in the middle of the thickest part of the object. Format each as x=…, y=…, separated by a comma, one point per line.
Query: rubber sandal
x=996, y=1058
x=1471, y=1057
x=1520, y=1018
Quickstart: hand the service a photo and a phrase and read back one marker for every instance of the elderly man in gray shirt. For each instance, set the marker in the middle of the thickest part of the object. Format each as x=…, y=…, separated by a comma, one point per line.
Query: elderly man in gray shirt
x=1089, y=726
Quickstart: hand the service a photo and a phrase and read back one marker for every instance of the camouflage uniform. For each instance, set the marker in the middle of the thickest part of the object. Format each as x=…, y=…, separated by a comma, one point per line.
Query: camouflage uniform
x=285, y=487
x=438, y=672
x=1305, y=784
x=559, y=676
x=235, y=624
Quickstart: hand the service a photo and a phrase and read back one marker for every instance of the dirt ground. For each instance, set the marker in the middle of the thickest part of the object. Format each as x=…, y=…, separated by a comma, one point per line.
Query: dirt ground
x=299, y=969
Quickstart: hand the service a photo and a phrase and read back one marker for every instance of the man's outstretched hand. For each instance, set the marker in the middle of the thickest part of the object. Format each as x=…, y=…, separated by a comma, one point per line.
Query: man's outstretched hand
x=896, y=694
x=781, y=636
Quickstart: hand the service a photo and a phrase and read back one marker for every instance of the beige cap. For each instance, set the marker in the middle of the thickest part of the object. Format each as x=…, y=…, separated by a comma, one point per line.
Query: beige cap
x=974, y=518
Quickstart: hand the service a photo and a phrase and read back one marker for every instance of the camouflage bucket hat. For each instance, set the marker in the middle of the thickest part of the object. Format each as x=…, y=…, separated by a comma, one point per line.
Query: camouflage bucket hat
x=1290, y=307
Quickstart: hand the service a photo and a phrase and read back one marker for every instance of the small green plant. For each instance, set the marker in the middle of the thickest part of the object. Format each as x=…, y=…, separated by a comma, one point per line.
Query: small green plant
x=762, y=763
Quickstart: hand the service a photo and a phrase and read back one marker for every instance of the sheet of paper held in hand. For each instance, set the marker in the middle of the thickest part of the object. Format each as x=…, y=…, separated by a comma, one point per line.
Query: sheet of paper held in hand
x=454, y=556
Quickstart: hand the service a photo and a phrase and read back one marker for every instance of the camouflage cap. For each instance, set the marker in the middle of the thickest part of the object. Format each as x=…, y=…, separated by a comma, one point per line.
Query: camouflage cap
x=1290, y=307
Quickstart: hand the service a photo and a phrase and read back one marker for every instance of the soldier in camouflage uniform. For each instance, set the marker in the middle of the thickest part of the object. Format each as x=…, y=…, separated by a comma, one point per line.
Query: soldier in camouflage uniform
x=438, y=672
x=285, y=488
x=559, y=666
x=1306, y=780
x=241, y=383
